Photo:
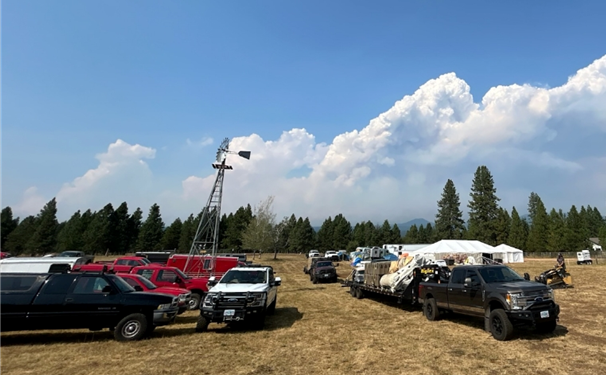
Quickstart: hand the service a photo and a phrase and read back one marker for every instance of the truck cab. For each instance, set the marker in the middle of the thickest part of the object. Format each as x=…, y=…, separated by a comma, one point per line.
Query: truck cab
x=495, y=292
x=243, y=294
x=164, y=276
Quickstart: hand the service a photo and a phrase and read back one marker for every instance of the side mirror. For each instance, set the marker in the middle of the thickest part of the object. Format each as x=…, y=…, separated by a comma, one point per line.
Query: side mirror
x=212, y=281
x=138, y=288
x=178, y=280
x=467, y=282
x=107, y=289
x=278, y=281
x=526, y=276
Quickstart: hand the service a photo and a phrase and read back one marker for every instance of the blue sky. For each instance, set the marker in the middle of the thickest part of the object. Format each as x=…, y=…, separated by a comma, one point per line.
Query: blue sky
x=79, y=75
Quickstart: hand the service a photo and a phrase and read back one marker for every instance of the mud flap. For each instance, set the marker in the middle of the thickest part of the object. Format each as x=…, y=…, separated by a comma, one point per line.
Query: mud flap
x=487, y=321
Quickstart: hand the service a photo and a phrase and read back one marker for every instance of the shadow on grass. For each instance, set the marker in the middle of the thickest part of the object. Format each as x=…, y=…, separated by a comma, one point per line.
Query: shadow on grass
x=522, y=332
x=302, y=289
x=284, y=317
x=55, y=337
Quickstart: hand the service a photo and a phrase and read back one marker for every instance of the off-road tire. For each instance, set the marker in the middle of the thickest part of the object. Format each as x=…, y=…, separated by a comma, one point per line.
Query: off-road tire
x=132, y=327
x=359, y=293
x=194, y=302
x=314, y=280
x=202, y=324
x=430, y=309
x=546, y=327
x=500, y=326
x=272, y=308
x=352, y=291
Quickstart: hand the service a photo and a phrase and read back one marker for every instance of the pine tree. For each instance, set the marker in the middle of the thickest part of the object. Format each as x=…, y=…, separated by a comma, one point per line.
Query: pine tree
x=358, y=235
x=429, y=233
x=412, y=236
x=325, y=235
x=574, y=238
x=8, y=224
x=120, y=226
x=557, y=229
x=483, y=207
x=422, y=235
x=187, y=235
x=17, y=240
x=152, y=230
x=503, y=226
x=172, y=234
x=385, y=233
x=602, y=236
x=517, y=234
x=449, y=219
x=44, y=239
x=70, y=236
x=342, y=232
x=99, y=234
x=134, y=227
x=396, y=235
x=539, y=224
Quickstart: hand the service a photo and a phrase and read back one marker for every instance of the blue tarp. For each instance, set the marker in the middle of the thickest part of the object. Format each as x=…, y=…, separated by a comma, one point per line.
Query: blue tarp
x=390, y=257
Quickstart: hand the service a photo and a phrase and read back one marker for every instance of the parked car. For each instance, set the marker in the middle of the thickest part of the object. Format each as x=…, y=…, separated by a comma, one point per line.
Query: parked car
x=76, y=254
x=141, y=284
x=497, y=294
x=323, y=271
x=202, y=265
x=332, y=255
x=243, y=294
x=40, y=264
x=76, y=300
x=313, y=253
x=174, y=277
x=584, y=257
x=122, y=264
x=4, y=254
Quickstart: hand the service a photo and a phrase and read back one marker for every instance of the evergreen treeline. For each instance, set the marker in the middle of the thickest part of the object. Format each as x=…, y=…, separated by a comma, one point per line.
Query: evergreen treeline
x=117, y=231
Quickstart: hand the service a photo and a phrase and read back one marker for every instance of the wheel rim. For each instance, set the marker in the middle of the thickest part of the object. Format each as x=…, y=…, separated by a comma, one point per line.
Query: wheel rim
x=497, y=325
x=131, y=329
x=193, y=303
x=429, y=311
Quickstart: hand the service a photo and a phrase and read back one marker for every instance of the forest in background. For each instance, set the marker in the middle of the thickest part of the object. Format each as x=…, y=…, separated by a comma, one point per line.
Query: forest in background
x=118, y=231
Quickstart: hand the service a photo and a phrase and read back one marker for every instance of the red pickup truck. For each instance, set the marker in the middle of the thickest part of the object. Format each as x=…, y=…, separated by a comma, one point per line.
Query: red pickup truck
x=200, y=265
x=174, y=277
x=141, y=284
x=122, y=264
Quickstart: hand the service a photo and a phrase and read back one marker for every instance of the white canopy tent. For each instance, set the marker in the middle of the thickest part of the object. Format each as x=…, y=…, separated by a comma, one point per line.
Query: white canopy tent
x=457, y=249
x=510, y=254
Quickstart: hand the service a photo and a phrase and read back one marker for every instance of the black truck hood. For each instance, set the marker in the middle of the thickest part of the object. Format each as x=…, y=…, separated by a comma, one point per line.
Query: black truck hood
x=147, y=297
x=519, y=285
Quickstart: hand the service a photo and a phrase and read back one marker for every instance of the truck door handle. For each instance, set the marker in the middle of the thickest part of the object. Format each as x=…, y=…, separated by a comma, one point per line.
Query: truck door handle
x=69, y=300
x=450, y=289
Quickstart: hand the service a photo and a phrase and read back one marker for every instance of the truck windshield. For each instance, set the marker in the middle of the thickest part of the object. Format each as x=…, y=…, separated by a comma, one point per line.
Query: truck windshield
x=324, y=264
x=145, y=260
x=244, y=277
x=147, y=283
x=121, y=284
x=181, y=274
x=499, y=275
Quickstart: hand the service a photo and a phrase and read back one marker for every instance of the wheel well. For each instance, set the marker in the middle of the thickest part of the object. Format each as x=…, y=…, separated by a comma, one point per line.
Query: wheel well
x=428, y=296
x=199, y=292
x=495, y=305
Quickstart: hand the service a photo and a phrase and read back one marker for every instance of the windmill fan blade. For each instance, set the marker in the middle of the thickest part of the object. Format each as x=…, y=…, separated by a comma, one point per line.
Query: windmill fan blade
x=244, y=154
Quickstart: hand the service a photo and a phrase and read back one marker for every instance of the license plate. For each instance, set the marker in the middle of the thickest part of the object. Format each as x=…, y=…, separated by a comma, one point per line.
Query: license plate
x=326, y=275
x=233, y=312
x=544, y=314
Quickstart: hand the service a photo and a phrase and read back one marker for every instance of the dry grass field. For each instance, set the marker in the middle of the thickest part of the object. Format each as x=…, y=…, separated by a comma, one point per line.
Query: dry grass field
x=321, y=329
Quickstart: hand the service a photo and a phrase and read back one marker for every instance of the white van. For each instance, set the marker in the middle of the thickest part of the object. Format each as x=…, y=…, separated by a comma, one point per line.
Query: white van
x=39, y=265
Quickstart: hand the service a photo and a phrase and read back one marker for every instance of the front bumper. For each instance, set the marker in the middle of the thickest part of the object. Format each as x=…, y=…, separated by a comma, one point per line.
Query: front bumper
x=535, y=314
x=166, y=316
x=325, y=276
x=233, y=315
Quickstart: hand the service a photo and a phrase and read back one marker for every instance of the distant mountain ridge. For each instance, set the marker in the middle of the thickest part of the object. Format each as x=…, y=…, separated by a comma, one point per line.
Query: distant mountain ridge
x=404, y=227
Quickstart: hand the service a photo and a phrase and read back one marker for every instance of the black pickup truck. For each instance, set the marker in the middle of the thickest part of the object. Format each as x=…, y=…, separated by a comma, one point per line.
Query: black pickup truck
x=74, y=300
x=495, y=292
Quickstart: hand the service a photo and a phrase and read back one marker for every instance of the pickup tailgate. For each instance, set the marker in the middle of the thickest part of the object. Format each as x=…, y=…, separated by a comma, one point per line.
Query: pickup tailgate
x=437, y=291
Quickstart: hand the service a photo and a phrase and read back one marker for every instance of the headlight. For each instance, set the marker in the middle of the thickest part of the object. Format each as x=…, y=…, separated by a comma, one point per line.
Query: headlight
x=182, y=297
x=256, y=299
x=164, y=306
x=208, y=300
x=512, y=300
x=550, y=294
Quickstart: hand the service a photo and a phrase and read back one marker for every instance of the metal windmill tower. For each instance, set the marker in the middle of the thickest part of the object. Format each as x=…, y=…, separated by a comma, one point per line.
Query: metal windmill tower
x=207, y=235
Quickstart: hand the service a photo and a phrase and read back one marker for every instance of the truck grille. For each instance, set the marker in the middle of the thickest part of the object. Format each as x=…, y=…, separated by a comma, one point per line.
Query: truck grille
x=231, y=300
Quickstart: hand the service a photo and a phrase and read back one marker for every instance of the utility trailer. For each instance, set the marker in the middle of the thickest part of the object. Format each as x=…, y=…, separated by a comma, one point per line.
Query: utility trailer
x=365, y=280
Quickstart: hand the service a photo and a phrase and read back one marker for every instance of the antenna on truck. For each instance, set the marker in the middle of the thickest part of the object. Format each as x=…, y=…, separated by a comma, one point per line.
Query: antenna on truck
x=207, y=235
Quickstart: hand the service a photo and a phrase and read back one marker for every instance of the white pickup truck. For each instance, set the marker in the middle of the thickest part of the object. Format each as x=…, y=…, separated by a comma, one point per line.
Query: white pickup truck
x=244, y=294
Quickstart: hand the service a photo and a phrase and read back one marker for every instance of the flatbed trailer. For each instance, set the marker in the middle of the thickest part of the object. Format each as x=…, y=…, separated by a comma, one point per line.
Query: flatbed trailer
x=410, y=295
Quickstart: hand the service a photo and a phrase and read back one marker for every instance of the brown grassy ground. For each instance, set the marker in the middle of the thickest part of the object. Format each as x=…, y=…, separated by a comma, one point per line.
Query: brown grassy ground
x=321, y=329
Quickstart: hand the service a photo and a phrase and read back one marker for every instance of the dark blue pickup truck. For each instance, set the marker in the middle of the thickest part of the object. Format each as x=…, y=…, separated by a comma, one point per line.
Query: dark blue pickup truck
x=81, y=300
x=495, y=292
